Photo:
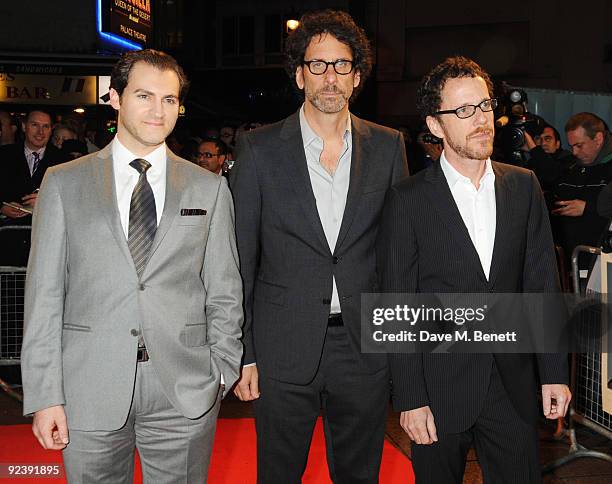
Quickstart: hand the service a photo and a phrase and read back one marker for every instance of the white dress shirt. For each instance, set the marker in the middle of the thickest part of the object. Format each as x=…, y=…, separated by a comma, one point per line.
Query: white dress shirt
x=29, y=154
x=126, y=178
x=330, y=191
x=477, y=208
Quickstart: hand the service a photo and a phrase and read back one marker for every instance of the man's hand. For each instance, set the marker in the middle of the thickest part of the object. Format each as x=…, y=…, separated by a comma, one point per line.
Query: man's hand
x=529, y=142
x=555, y=400
x=11, y=212
x=569, y=208
x=248, y=386
x=419, y=425
x=30, y=199
x=50, y=428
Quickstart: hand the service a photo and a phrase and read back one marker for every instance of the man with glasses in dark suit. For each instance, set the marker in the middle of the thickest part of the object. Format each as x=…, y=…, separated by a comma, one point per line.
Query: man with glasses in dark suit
x=469, y=225
x=308, y=193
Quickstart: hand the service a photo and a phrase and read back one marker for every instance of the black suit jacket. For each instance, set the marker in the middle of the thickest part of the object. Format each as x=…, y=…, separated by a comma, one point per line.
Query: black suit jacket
x=424, y=246
x=286, y=263
x=16, y=180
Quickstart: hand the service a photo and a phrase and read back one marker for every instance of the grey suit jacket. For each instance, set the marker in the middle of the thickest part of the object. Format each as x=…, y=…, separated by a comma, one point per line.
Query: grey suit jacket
x=85, y=304
x=286, y=263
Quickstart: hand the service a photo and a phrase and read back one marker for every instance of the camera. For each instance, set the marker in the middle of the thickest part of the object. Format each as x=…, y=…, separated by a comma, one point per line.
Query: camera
x=512, y=120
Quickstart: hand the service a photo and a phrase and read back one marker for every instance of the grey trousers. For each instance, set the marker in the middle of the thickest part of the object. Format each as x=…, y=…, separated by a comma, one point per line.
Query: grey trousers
x=172, y=448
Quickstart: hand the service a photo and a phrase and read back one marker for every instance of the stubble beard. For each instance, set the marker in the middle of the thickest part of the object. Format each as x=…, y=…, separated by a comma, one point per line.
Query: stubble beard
x=480, y=150
x=327, y=104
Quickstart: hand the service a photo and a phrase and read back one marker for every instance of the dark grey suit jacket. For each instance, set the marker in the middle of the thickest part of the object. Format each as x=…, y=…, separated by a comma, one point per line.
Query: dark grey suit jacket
x=286, y=263
x=424, y=247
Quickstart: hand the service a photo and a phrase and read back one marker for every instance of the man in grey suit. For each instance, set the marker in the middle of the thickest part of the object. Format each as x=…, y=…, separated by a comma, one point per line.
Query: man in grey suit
x=309, y=192
x=133, y=296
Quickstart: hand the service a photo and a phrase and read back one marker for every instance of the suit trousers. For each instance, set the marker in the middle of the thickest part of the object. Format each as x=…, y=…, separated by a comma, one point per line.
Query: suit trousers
x=354, y=406
x=172, y=448
x=506, y=446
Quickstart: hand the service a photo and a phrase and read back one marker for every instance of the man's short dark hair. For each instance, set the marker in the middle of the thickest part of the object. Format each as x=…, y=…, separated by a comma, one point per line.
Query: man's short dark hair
x=37, y=110
x=160, y=60
x=554, y=130
x=334, y=22
x=429, y=94
x=220, y=145
x=591, y=124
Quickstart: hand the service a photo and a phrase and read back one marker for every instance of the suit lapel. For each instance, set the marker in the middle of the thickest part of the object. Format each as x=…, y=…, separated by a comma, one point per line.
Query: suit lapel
x=105, y=183
x=174, y=188
x=25, y=168
x=502, y=209
x=443, y=202
x=360, y=163
x=292, y=149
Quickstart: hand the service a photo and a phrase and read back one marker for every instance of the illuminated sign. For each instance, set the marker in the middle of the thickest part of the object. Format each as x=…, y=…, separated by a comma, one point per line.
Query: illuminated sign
x=65, y=90
x=127, y=23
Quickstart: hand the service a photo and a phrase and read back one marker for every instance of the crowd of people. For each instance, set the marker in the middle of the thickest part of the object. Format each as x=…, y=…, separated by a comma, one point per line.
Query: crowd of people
x=155, y=287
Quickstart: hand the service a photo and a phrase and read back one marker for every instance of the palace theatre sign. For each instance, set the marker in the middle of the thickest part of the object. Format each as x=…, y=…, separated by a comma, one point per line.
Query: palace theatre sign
x=128, y=19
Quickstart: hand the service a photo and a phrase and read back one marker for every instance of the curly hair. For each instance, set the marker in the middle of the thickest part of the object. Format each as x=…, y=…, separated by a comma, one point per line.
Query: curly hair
x=160, y=60
x=429, y=94
x=334, y=22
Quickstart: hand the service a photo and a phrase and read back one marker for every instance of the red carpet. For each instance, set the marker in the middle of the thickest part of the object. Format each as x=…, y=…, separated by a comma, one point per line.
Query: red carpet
x=233, y=461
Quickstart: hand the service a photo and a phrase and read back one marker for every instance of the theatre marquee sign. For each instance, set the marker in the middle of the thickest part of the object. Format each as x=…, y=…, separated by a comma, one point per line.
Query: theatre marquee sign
x=47, y=89
x=128, y=19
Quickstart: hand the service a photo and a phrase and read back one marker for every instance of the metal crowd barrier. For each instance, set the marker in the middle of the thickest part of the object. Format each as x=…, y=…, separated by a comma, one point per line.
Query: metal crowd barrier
x=12, y=289
x=586, y=406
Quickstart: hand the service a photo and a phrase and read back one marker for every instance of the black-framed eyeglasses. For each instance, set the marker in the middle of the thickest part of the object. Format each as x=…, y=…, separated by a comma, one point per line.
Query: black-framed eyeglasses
x=206, y=154
x=341, y=66
x=469, y=110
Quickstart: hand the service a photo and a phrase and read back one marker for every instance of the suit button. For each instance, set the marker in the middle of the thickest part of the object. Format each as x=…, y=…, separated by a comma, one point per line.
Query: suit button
x=326, y=301
x=141, y=287
x=335, y=260
x=134, y=332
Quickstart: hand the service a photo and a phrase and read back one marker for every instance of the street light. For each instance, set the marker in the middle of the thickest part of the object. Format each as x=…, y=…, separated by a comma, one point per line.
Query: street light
x=292, y=24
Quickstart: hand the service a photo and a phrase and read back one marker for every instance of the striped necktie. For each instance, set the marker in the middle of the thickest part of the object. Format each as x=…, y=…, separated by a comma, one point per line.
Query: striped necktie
x=143, y=217
x=35, y=161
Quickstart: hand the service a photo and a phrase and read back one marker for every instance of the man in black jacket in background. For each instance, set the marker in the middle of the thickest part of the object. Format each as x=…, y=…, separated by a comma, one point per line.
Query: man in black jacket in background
x=22, y=167
x=573, y=189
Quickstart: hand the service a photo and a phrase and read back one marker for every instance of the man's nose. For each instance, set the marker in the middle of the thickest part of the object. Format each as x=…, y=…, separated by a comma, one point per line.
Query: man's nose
x=330, y=75
x=158, y=108
x=480, y=117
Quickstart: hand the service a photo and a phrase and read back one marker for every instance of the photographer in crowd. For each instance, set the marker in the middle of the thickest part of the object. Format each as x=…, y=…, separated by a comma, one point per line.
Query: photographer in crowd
x=550, y=143
x=574, y=189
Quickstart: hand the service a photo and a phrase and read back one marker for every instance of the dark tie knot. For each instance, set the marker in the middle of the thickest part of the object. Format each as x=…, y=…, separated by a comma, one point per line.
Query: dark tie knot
x=140, y=165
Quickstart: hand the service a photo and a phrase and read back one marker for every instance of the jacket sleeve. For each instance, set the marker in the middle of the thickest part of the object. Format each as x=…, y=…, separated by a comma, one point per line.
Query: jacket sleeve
x=41, y=352
x=397, y=268
x=540, y=274
x=221, y=278
x=247, y=201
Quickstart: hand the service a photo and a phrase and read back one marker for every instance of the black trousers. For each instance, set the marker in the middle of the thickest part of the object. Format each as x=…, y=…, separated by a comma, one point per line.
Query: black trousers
x=506, y=446
x=354, y=405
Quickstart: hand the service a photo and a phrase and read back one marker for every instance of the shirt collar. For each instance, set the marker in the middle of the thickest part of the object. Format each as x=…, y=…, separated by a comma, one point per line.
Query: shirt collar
x=123, y=157
x=28, y=152
x=308, y=134
x=453, y=176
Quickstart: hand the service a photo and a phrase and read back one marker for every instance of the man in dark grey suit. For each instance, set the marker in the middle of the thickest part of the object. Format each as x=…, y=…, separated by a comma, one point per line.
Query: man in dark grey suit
x=469, y=225
x=308, y=193
x=133, y=298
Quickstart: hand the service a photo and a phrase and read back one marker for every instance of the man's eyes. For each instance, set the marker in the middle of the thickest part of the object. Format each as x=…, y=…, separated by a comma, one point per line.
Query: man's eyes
x=169, y=100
